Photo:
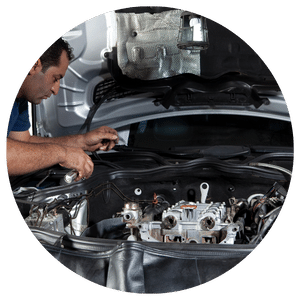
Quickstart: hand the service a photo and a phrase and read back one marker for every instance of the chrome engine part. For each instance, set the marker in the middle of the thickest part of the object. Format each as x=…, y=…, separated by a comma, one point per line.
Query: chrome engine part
x=184, y=222
x=54, y=219
x=50, y=221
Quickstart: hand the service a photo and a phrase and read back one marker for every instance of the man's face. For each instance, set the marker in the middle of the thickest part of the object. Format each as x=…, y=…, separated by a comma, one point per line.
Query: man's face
x=42, y=85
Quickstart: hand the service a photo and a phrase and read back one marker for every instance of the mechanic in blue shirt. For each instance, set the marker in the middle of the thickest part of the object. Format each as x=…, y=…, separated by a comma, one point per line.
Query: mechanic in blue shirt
x=27, y=153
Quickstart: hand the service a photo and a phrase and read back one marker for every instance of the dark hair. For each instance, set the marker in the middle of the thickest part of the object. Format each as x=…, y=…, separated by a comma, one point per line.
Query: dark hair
x=51, y=57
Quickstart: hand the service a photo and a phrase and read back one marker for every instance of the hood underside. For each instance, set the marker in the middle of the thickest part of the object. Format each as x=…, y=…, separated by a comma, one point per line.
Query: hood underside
x=128, y=68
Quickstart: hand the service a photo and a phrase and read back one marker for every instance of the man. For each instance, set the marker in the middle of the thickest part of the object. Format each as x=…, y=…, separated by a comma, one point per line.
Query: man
x=26, y=153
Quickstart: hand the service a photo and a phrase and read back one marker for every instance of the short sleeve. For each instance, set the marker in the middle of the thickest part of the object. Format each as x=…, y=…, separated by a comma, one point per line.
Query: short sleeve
x=19, y=118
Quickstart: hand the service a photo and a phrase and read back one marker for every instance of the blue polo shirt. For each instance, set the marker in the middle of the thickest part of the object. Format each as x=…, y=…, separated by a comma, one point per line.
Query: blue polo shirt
x=19, y=118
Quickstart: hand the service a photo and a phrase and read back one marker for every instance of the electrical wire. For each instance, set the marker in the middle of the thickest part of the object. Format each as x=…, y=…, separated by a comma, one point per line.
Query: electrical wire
x=93, y=110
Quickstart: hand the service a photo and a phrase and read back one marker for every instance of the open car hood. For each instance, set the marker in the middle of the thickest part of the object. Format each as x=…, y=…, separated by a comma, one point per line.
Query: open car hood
x=124, y=73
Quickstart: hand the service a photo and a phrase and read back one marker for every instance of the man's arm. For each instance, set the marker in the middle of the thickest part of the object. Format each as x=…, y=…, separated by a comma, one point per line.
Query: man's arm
x=26, y=153
x=103, y=138
x=24, y=157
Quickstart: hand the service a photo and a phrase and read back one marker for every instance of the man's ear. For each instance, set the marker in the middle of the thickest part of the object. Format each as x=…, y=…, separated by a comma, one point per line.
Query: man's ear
x=37, y=67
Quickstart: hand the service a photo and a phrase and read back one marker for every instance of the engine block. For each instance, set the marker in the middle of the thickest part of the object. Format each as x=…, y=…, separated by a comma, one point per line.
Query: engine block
x=184, y=222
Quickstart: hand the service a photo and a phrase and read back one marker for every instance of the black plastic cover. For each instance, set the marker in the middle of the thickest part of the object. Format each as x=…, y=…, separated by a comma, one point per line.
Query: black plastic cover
x=140, y=268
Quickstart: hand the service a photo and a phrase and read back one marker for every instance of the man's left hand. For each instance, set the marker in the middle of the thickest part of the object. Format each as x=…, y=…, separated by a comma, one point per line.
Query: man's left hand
x=103, y=138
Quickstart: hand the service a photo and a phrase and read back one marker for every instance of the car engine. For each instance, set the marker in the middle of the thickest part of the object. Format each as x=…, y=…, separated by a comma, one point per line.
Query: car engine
x=160, y=218
x=184, y=222
x=196, y=222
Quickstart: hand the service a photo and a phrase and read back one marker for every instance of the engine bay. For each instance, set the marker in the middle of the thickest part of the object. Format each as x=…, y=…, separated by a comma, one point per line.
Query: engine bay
x=203, y=200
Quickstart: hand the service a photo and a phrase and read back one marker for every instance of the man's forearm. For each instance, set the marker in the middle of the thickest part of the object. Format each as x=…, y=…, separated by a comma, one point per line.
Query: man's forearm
x=103, y=138
x=69, y=141
x=23, y=157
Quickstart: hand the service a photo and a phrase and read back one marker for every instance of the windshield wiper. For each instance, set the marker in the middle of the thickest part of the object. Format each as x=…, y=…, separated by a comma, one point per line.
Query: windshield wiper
x=156, y=154
x=220, y=152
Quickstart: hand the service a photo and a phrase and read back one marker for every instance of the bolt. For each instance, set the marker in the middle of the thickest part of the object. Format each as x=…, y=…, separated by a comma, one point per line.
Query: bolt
x=138, y=191
x=231, y=188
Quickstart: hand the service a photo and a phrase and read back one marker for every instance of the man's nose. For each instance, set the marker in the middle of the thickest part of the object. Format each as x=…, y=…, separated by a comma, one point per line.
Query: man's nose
x=55, y=87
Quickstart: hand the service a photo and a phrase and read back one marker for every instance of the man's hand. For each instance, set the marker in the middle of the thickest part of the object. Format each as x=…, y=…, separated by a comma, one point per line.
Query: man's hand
x=76, y=158
x=26, y=153
x=24, y=157
x=103, y=138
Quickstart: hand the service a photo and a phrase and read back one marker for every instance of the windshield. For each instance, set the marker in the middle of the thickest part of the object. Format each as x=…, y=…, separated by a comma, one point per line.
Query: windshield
x=210, y=130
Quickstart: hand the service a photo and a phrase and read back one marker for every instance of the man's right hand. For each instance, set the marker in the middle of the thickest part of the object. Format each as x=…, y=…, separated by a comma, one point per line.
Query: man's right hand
x=76, y=158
